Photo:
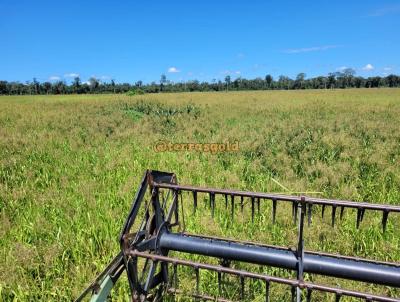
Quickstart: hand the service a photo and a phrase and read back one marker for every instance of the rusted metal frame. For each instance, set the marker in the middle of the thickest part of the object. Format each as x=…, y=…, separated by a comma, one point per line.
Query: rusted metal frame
x=291, y=198
x=310, y=201
x=266, y=278
x=154, y=180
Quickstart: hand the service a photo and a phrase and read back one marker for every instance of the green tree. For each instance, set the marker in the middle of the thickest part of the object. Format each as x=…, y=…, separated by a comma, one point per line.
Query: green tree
x=59, y=87
x=46, y=86
x=393, y=80
x=76, y=85
x=268, y=80
x=93, y=84
x=163, y=81
x=331, y=81
x=36, y=86
x=299, y=82
x=284, y=82
x=3, y=87
x=348, y=75
x=227, y=81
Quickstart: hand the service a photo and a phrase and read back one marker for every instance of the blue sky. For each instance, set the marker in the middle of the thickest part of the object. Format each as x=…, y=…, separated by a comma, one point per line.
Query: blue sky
x=131, y=40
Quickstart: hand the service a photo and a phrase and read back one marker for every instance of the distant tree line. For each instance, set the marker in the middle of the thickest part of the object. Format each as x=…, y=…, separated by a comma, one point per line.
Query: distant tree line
x=344, y=79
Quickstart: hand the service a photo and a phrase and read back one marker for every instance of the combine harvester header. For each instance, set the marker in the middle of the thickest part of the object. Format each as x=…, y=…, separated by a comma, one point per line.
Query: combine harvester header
x=153, y=273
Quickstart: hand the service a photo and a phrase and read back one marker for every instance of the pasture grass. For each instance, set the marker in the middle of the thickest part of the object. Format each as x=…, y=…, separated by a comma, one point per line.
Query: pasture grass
x=70, y=165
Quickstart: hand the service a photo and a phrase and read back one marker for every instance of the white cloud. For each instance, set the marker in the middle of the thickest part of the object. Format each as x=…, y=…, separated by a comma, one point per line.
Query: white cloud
x=387, y=68
x=258, y=66
x=54, y=78
x=368, y=67
x=342, y=68
x=231, y=72
x=173, y=70
x=240, y=55
x=71, y=75
x=309, y=49
x=393, y=9
x=105, y=77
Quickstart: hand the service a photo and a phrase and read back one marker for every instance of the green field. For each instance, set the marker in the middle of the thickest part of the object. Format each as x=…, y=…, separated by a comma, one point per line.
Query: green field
x=70, y=166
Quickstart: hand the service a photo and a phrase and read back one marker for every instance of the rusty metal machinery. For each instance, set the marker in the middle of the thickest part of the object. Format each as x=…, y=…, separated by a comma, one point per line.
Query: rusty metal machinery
x=153, y=235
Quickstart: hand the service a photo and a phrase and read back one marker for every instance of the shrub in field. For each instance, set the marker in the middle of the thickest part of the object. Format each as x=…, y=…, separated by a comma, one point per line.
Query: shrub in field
x=135, y=91
x=162, y=110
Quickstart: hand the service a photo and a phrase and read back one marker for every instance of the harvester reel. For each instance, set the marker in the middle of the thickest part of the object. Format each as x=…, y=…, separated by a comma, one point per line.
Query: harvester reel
x=153, y=274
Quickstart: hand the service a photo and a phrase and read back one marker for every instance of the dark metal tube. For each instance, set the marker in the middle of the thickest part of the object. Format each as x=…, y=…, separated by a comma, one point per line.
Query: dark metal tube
x=317, y=264
x=228, y=250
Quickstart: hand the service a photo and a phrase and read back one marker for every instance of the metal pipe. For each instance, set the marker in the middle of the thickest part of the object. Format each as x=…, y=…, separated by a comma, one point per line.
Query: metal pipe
x=323, y=265
x=337, y=256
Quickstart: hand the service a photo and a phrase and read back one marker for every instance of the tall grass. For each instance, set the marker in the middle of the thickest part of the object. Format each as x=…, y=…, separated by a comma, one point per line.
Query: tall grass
x=70, y=165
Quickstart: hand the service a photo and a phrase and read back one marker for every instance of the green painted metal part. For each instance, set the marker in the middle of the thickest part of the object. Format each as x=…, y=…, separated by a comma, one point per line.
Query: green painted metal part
x=104, y=291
